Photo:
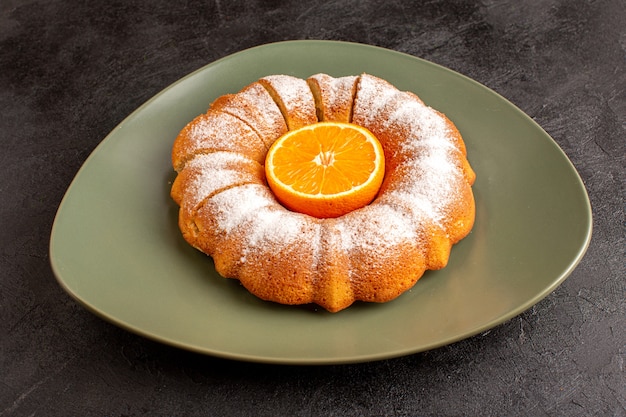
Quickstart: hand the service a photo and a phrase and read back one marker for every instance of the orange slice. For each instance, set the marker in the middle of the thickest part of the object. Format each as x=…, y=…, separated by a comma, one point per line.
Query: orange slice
x=326, y=169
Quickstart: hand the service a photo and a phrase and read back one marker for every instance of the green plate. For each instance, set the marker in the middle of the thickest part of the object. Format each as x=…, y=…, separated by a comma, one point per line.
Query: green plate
x=116, y=248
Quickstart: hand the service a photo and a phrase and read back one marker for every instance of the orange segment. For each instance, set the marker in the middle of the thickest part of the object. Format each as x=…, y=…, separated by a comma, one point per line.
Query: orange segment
x=326, y=169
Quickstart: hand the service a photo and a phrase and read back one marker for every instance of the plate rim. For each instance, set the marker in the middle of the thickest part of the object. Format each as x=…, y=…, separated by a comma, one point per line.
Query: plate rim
x=557, y=281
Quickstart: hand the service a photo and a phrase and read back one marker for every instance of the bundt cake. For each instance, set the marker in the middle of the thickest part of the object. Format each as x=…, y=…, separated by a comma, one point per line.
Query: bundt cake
x=373, y=254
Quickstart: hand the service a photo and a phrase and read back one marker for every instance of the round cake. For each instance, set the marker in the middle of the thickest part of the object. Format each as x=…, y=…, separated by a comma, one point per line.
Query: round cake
x=372, y=254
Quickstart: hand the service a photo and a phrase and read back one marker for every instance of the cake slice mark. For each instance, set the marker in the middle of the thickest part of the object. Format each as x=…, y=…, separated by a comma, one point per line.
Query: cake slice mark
x=334, y=284
x=333, y=96
x=287, y=236
x=210, y=174
x=216, y=131
x=294, y=99
x=223, y=220
x=317, y=97
x=353, y=98
x=190, y=219
x=381, y=245
x=255, y=107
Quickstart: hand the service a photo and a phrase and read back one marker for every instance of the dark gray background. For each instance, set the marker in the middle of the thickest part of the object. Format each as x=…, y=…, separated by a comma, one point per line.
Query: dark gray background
x=70, y=71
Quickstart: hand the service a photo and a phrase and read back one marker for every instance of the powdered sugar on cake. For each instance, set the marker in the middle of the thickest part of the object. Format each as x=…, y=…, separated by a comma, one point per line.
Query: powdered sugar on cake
x=266, y=222
x=428, y=182
x=217, y=171
x=217, y=131
x=429, y=177
x=424, y=206
x=268, y=124
x=294, y=98
x=376, y=230
x=235, y=206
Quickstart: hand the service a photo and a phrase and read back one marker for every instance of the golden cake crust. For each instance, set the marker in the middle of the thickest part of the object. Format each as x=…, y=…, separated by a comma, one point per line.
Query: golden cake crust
x=294, y=99
x=256, y=107
x=373, y=254
x=333, y=97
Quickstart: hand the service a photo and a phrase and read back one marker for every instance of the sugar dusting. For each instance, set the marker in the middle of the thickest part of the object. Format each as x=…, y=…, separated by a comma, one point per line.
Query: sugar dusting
x=427, y=176
x=343, y=86
x=371, y=98
x=293, y=91
x=420, y=189
x=238, y=204
x=426, y=182
x=433, y=174
x=376, y=229
x=296, y=98
x=267, y=224
x=269, y=124
x=218, y=171
x=335, y=96
x=218, y=131
x=273, y=227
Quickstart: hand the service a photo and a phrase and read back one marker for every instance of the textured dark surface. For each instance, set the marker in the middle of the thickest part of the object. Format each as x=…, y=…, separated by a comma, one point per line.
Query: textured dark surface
x=71, y=71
